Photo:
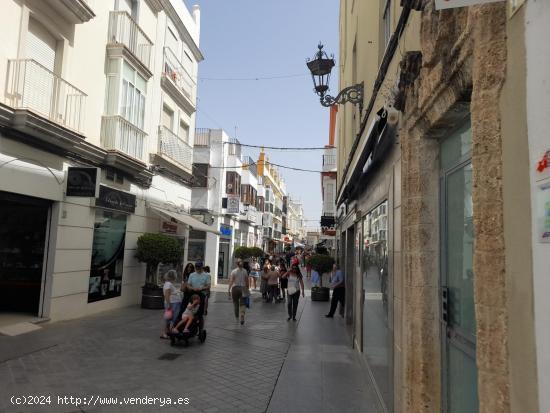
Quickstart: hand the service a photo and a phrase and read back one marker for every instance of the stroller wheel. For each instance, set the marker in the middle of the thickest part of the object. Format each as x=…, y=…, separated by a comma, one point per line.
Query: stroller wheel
x=202, y=336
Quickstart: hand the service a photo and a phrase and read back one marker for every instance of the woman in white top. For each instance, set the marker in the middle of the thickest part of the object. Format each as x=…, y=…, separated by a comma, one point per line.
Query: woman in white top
x=172, y=299
x=295, y=285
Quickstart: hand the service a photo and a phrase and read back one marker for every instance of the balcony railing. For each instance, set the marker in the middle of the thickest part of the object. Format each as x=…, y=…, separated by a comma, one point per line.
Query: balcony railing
x=119, y=134
x=329, y=160
x=31, y=86
x=202, y=137
x=124, y=30
x=174, y=70
x=175, y=148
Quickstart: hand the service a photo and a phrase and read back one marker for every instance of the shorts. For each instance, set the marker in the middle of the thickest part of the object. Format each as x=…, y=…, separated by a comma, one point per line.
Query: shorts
x=254, y=274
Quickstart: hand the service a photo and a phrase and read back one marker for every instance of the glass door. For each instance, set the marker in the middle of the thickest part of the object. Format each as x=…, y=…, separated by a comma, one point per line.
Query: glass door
x=458, y=310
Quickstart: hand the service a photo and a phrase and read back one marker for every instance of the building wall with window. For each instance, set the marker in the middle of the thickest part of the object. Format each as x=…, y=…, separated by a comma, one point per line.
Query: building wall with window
x=454, y=273
x=80, y=92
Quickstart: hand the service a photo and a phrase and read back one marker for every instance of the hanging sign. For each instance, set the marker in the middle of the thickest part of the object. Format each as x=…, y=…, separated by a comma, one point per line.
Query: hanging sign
x=233, y=203
x=451, y=4
x=82, y=182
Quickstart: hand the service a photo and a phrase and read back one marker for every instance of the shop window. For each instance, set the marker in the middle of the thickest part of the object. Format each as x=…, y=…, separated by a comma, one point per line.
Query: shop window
x=107, y=255
x=376, y=281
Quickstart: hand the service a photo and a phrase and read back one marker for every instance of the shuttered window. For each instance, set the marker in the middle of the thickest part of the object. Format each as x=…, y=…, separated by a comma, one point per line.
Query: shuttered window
x=41, y=45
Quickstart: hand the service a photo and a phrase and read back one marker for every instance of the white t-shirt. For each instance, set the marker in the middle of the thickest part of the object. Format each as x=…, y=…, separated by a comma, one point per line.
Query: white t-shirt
x=175, y=296
x=240, y=275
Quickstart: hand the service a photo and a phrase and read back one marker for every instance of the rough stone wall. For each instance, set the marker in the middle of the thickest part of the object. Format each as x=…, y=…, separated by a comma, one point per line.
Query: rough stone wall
x=464, y=66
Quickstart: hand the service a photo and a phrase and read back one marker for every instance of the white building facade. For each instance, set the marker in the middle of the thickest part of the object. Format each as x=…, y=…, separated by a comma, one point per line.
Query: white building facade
x=229, y=198
x=96, y=147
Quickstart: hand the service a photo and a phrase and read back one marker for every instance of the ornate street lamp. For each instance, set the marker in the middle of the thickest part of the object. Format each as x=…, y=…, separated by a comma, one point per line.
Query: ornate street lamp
x=320, y=68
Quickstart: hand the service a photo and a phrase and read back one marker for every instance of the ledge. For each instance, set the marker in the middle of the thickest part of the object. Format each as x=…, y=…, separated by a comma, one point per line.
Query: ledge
x=37, y=131
x=74, y=11
x=120, y=50
x=176, y=93
x=164, y=163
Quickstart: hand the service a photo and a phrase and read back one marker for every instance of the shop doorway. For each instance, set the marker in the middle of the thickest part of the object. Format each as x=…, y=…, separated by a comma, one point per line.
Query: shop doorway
x=223, y=260
x=24, y=223
x=457, y=277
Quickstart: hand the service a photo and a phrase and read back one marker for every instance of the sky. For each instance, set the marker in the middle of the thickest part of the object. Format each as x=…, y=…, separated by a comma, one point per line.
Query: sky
x=269, y=38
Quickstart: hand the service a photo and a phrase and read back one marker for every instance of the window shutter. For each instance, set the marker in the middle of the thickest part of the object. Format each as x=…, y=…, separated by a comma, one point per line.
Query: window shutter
x=41, y=45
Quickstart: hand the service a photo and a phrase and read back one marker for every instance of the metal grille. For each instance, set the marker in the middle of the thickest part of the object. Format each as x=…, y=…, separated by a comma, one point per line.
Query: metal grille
x=175, y=148
x=119, y=134
x=32, y=86
x=124, y=30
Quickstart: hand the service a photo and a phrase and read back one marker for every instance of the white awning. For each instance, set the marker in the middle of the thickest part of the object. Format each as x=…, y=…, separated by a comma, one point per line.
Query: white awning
x=187, y=220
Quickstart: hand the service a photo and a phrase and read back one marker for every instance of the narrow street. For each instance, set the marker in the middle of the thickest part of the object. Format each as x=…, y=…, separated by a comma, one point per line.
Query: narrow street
x=268, y=364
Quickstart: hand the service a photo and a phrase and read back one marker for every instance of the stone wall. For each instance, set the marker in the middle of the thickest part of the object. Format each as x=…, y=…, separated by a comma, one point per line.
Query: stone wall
x=463, y=71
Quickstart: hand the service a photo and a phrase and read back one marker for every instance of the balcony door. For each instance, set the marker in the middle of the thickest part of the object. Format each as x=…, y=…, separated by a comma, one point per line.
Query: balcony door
x=39, y=81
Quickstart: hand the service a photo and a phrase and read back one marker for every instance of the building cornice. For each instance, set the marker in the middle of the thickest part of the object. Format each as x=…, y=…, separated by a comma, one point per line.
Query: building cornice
x=184, y=33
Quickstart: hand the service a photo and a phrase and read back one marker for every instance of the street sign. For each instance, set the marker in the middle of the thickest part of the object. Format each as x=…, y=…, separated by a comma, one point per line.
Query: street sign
x=451, y=4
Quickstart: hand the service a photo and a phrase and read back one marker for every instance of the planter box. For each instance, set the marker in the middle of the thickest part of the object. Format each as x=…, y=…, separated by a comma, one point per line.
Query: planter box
x=320, y=294
x=152, y=298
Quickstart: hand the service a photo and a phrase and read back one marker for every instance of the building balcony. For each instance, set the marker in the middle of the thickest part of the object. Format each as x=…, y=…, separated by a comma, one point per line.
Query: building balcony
x=31, y=86
x=329, y=163
x=178, y=82
x=120, y=135
x=128, y=39
x=74, y=11
x=178, y=151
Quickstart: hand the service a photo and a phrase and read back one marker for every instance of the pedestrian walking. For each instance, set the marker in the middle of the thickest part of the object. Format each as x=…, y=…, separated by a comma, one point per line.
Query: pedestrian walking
x=238, y=289
x=272, y=284
x=199, y=283
x=172, y=302
x=308, y=266
x=207, y=271
x=254, y=272
x=264, y=276
x=189, y=269
x=283, y=280
x=295, y=286
x=337, y=284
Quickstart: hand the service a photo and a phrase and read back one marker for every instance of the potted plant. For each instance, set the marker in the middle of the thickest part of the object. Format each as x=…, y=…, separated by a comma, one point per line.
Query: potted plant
x=322, y=264
x=248, y=252
x=154, y=249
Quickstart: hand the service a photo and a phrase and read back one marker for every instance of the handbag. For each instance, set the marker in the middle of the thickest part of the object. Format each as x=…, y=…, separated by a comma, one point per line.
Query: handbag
x=246, y=301
x=168, y=314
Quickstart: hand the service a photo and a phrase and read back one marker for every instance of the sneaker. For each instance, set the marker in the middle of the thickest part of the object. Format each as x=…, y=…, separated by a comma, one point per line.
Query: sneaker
x=186, y=330
x=329, y=316
x=288, y=319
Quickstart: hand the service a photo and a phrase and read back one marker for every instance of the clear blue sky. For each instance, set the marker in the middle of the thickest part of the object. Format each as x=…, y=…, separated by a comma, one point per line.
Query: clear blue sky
x=261, y=38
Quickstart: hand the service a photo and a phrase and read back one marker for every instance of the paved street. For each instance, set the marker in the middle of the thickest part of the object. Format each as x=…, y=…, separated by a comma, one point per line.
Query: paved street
x=267, y=365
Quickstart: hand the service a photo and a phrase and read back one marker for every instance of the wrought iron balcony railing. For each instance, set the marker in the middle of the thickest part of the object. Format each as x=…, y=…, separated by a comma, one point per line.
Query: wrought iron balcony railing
x=329, y=160
x=32, y=86
x=124, y=30
x=119, y=134
x=175, y=148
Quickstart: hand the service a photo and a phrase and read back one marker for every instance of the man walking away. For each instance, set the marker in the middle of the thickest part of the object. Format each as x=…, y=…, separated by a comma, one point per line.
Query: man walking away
x=338, y=290
x=238, y=289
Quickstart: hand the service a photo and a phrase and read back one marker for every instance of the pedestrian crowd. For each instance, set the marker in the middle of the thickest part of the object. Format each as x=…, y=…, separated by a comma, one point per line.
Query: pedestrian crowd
x=278, y=278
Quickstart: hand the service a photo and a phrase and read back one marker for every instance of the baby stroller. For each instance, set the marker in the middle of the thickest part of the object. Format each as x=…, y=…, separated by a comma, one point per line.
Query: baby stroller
x=197, y=326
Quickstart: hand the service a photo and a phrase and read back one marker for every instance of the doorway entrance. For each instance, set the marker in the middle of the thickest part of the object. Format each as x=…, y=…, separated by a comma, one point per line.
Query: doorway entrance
x=457, y=277
x=23, y=228
x=223, y=260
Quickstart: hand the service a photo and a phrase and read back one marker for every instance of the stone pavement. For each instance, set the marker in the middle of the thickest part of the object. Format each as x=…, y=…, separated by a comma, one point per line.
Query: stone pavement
x=268, y=364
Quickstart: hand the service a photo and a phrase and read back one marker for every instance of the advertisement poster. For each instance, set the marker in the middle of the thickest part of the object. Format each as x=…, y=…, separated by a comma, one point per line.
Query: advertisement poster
x=107, y=256
x=196, y=251
x=543, y=213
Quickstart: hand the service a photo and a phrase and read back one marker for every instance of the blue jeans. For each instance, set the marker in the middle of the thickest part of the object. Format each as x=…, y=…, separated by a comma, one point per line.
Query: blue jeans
x=176, y=307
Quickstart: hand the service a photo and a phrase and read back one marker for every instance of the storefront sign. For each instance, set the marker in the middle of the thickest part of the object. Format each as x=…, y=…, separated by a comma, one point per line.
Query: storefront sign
x=451, y=4
x=114, y=199
x=169, y=228
x=82, y=182
x=226, y=230
x=233, y=203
